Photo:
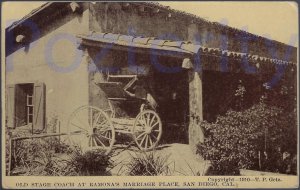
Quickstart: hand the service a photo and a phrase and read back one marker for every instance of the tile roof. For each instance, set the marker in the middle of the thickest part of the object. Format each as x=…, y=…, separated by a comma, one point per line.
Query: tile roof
x=142, y=42
x=184, y=47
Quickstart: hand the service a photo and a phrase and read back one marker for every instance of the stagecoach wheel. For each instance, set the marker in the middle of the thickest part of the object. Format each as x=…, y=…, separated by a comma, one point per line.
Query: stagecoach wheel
x=147, y=130
x=91, y=128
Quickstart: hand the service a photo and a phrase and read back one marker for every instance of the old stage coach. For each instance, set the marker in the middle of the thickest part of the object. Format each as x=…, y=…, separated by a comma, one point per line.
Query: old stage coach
x=122, y=76
x=158, y=88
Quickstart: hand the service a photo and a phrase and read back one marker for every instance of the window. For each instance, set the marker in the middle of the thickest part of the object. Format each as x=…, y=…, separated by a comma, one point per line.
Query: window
x=25, y=105
x=29, y=106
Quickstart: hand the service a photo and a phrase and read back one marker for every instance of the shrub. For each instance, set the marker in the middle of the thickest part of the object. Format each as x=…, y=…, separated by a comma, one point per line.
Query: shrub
x=235, y=140
x=148, y=164
x=38, y=156
x=90, y=163
x=28, y=150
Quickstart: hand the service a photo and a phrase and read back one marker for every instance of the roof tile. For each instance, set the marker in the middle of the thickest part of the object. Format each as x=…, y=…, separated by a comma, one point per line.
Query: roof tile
x=173, y=43
x=111, y=36
x=126, y=38
x=158, y=42
x=141, y=40
x=191, y=47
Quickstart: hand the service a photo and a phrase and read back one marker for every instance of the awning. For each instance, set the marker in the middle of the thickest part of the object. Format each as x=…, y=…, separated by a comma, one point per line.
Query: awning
x=174, y=48
x=181, y=49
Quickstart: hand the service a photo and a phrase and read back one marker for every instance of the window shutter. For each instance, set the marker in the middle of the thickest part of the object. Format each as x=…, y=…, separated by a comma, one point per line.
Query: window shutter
x=10, y=106
x=39, y=106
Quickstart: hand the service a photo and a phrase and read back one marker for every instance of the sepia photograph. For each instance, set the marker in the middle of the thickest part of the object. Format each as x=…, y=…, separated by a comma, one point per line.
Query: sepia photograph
x=144, y=94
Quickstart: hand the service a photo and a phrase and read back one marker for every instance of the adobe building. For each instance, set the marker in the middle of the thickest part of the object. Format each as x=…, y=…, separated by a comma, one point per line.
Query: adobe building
x=56, y=55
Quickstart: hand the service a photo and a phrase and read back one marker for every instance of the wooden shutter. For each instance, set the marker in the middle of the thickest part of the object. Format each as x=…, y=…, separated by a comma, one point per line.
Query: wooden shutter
x=10, y=106
x=20, y=106
x=39, y=106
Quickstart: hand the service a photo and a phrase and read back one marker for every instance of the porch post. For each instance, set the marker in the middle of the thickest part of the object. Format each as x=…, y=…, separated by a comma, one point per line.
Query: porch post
x=195, y=109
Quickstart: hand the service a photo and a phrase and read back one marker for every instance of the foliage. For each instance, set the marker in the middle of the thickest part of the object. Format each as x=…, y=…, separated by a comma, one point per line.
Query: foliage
x=235, y=140
x=42, y=157
x=38, y=156
x=284, y=93
x=90, y=163
x=148, y=164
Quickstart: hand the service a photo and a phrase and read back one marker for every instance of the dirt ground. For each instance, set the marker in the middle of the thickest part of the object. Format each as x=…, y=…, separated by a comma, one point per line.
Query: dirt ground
x=180, y=158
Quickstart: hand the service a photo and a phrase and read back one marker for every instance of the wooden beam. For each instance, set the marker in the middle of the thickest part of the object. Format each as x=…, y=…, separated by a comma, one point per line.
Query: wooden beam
x=38, y=136
x=196, y=134
x=147, y=50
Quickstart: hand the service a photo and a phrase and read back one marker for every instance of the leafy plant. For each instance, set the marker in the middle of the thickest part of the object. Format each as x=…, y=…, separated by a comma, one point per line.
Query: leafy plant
x=90, y=163
x=148, y=164
x=45, y=165
x=38, y=156
x=42, y=157
x=248, y=139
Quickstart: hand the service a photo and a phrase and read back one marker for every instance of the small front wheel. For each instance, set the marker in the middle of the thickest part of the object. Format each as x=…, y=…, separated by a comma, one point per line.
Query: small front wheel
x=147, y=130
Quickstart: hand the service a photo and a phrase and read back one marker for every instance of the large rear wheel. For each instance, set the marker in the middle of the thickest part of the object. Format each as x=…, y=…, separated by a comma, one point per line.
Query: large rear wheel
x=91, y=128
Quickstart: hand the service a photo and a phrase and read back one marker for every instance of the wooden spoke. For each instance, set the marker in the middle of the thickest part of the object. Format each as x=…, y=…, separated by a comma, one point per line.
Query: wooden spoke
x=104, y=137
x=142, y=140
x=141, y=124
x=140, y=127
x=91, y=117
x=107, y=128
x=102, y=123
x=78, y=132
x=78, y=127
x=90, y=140
x=151, y=143
x=81, y=122
x=155, y=124
x=153, y=136
x=138, y=137
x=146, y=143
x=142, y=121
x=91, y=121
x=99, y=140
x=148, y=119
x=97, y=118
x=107, y=134
x=152, y=121
x=147, y=138
x=94, y=139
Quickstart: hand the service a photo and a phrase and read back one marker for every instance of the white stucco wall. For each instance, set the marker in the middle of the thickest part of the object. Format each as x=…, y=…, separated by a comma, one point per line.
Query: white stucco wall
x=65, y=91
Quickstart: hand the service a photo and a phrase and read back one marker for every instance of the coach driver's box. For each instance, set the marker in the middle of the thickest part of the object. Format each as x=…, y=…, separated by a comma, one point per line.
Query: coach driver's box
x=140, y=89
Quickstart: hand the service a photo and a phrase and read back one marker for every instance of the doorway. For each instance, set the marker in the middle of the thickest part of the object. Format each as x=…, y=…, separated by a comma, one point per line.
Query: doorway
x=172, y=95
